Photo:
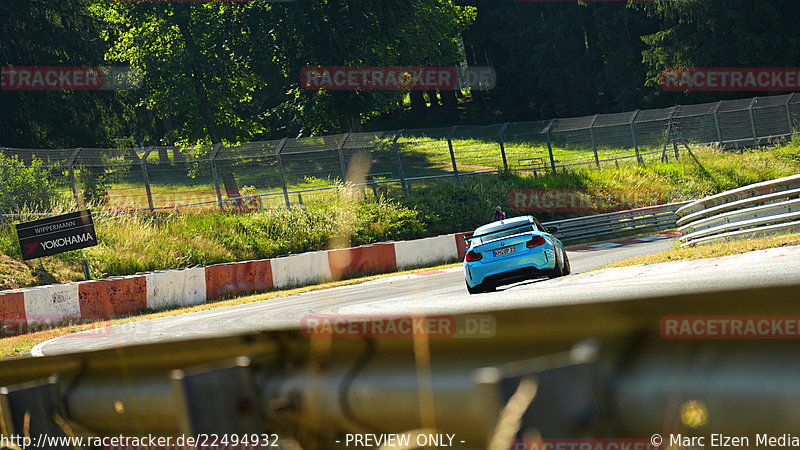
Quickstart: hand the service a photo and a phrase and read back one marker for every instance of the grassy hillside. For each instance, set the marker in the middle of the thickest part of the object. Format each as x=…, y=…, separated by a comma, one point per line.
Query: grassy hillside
x=131, y=243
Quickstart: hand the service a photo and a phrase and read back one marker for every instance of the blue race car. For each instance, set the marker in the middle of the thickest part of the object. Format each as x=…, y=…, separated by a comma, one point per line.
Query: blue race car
x=512, y=250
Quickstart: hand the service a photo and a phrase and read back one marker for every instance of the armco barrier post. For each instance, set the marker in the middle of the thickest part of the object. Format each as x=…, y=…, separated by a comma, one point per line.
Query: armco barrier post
x=283, y=175
x=549, y=144
x=76, y=192
x=789, y=114
x=503, y=146
x=146, y=179
x=215, y=150
x=452, y=154
x=594, y=144
x=633, y=136
x=400, y=164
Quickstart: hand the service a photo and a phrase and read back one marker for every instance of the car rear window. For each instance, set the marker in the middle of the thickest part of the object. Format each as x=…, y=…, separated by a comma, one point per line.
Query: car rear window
x=503, y=233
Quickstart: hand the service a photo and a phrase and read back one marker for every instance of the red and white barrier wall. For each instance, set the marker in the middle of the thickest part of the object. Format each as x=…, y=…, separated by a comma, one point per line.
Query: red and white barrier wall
x=119, y=296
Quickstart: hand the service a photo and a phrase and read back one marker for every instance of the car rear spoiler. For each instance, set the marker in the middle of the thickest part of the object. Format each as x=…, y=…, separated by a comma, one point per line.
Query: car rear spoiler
x=500, y=231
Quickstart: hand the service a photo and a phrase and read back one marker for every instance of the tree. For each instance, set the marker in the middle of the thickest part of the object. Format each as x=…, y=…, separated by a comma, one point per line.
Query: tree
x=561, y=58
x=235, y=67
x=63, y=33
x=720, y=33
x=194, y=71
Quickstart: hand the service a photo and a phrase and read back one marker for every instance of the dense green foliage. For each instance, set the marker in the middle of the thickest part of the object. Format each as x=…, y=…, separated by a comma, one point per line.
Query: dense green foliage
x=576, y=58
x=230, y=71
x=28, y=185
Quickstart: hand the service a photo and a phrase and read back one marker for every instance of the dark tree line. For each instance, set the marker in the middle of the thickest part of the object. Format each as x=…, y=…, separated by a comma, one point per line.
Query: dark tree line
x=573, y=58
x=229, y=71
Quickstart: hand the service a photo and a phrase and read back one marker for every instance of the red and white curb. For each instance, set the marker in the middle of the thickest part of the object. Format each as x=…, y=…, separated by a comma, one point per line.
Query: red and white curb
x=120, y=296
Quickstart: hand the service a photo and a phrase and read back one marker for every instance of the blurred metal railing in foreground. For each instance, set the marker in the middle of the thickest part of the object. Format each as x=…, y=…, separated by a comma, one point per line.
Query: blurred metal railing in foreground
x=603, y=226
x=761, y=209
x=282, y=172
x=602, y=370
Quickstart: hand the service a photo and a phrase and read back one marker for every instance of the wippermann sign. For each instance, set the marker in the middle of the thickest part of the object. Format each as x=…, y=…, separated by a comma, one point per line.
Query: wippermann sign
x=57, y=234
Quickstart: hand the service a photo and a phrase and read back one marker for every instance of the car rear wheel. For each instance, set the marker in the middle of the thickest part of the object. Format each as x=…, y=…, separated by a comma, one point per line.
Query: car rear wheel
x=557, y=270
x=567, y=268
x=481, y=288
x=475, y=290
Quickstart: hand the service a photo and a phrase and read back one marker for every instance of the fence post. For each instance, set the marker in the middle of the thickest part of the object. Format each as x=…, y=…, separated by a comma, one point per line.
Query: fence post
x=633, y=136
x=399, y=163
x=143, y=163
x=670, y=132
x=716, y=122
x=452, y=154
x=214, y=152
x=666, y=141
x=503, y=145
x=674, y=138
x=789, y=115
x=76, y=192
x=594, y=144
x=9, y=198
x=283, y=176
x=340, y=148
x=753, y=122
x=549, y=144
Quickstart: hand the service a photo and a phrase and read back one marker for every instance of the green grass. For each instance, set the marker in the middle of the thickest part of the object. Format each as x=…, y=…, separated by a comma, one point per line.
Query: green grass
x=131, y=243
x=714, y=250
x=447, y=206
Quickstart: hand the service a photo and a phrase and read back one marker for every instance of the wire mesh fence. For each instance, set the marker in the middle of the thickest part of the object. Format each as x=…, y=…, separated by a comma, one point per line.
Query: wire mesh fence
x=286, y=172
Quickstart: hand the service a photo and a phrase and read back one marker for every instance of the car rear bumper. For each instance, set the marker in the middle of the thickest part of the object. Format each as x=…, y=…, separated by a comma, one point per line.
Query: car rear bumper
x=521, y=274
x=534, y=264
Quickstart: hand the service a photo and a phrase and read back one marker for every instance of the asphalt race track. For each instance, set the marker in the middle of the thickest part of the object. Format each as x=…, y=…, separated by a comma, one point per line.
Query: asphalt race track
x=444, y=292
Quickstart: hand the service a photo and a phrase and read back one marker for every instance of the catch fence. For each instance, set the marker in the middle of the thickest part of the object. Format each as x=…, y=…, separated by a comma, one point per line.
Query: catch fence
x=286, y=172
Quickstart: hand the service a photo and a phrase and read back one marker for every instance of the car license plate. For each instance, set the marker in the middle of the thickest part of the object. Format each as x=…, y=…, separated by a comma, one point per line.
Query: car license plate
x=505, y=251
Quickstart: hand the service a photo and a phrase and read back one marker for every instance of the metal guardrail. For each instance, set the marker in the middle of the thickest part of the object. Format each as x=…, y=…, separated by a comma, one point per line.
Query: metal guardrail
x=600, y=226
x=761, y=209
x=598, y=368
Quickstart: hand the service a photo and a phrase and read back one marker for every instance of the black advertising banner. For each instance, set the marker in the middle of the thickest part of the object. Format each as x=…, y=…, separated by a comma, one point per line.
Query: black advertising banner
x=57, y=234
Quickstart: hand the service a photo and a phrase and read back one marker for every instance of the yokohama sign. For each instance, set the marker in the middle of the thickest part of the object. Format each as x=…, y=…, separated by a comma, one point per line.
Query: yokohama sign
x=57, y=234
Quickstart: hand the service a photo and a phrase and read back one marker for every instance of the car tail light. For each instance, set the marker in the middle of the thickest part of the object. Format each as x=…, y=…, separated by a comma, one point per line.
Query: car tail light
x=474, y=256
x=535, y=242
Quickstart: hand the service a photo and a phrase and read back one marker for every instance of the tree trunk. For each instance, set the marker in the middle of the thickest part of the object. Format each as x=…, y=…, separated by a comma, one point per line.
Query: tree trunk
x=206, y=114
x=418, y=107
x=450, y=103
x=350, y=124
